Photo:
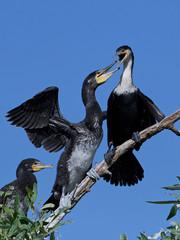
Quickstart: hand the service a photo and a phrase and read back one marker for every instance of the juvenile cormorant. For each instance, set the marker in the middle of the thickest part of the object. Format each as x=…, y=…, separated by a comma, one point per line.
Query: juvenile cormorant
x=25, y=178
x=45, y=126
x=129, y=112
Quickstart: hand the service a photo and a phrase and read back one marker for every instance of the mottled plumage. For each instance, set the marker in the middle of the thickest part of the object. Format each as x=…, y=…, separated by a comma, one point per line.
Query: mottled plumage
x=25, y=178
x=45, y=126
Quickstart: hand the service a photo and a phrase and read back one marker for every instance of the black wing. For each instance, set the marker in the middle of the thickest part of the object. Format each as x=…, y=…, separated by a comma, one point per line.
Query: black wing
x=110, y=123
x=153, y=109
x=34, y=116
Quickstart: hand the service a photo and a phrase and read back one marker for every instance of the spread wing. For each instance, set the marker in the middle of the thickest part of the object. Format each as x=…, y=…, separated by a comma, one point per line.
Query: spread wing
x=153, y=109
x=35, y=115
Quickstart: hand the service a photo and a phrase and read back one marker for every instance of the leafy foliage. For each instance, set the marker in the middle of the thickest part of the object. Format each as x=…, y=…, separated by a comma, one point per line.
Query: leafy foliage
x=15, y=225
x=173, y=231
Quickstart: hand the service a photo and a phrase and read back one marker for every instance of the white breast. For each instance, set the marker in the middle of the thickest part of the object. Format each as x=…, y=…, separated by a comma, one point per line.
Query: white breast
x=126, y=85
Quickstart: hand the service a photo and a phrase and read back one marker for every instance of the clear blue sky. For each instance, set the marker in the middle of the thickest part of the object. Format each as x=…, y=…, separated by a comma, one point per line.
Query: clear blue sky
x=58, y=43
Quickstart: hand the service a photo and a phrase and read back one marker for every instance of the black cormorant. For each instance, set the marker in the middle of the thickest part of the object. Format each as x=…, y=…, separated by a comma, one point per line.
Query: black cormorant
x=25, y=178
x=129, y=112
x=45, y=126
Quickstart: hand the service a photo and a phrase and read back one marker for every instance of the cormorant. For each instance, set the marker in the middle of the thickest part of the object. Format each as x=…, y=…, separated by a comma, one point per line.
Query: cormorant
x=45, y=126
x=25, y=178
x=129, y=111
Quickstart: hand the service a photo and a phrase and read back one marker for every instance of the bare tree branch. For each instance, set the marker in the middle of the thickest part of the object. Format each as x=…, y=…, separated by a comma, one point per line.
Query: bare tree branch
x=102, y=168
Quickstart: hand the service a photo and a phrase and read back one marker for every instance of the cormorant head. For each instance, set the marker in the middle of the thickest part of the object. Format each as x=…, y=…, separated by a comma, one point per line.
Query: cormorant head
x=124, y=53
x=31, y=165
x=99, y=77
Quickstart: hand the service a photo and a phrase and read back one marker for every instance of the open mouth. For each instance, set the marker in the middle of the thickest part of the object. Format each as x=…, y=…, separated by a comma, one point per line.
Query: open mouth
x=105, y=70
x=104, y=75
x=121, y=56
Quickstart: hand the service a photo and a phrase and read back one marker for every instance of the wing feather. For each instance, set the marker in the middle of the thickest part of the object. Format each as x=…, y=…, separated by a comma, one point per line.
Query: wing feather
x=153, y=109
x=35, y=115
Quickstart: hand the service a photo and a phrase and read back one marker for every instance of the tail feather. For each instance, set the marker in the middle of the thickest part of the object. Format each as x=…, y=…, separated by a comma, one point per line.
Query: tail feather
x=125, y=171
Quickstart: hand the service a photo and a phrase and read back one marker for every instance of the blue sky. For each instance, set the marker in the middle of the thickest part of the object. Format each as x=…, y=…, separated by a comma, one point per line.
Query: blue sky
x=58, y=43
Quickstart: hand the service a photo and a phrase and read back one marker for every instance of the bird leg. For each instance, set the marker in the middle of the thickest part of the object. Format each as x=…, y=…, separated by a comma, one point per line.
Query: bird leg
x=65, y=200
x=136, y=137
x=93, y=174
x=74, y=192
x=110, y=153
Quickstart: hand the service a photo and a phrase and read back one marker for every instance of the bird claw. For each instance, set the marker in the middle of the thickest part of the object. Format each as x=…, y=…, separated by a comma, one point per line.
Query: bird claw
x=136, y=137
x=109, y=155
x=65, y=201
x=93, y=174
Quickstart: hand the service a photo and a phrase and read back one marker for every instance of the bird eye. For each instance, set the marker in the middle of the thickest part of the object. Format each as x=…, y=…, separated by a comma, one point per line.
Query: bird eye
x=122, y=50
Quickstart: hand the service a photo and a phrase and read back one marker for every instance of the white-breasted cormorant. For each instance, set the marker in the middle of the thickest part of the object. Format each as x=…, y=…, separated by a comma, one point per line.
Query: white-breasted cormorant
x=45, y=126
x=25, y=178
x=129, y=112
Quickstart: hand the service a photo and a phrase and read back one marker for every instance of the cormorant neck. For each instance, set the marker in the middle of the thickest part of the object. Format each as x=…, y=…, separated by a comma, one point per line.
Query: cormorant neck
x=125, y=84
x=93, y=111
x=126, y=77
x=88, y=95
x=20, y=173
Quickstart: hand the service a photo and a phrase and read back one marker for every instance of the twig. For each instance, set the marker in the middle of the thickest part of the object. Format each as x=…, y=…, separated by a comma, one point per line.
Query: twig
x=102, y=168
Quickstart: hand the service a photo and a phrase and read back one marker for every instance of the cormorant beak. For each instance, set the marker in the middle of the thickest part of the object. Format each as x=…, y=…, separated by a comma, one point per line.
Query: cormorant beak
x=39, y=166
x=122, y=57
x=104, y=75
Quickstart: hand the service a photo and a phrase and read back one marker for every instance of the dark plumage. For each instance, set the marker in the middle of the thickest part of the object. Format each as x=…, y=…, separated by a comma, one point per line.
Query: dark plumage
x=25, y=178
x=129, y=111
x=45, y=126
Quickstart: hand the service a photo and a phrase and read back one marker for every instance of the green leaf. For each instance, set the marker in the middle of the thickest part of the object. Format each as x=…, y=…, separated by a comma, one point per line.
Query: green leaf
x=7, y=193
x=1, y=193
x=13, y=228
x=48, y=205
x=163, y=202
x=173, y=212
x=35, y=192
x=8, y=210
x=39, y=202
x=29, y=191
x=143, y=237
x=26, y=219
x=27, y=202
x=176, y=233
x=58, y=226
x=175, y=187
x=25, y=227
x=175, y=195
x=39, y=237
x=163, y=236
x=16, y=202
x=21, y=213
x=20, y=235
x=123, y=237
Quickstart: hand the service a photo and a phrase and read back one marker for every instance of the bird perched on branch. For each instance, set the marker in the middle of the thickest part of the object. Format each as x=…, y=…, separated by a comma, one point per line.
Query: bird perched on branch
x=129, y=111
x=45, y=126
x=25, y=178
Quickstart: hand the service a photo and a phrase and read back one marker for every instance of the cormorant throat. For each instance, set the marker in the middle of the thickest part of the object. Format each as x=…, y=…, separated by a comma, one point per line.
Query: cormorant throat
x=125, y=84
x=93, y=110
